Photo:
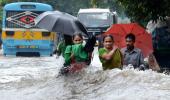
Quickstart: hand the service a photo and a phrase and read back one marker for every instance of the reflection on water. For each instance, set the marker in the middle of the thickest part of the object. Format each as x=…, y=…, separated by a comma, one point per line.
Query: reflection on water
x=24, y=78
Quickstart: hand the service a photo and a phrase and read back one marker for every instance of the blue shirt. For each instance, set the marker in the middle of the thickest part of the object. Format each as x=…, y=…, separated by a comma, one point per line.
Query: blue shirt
x=134, y=57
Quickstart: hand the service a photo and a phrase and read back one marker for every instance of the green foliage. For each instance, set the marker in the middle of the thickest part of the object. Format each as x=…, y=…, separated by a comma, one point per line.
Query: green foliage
x=94, y=3
x=145, y=10
x=73, y=6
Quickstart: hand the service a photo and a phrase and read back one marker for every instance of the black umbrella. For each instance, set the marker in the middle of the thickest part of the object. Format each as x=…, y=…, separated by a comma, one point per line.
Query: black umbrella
x=57, y=21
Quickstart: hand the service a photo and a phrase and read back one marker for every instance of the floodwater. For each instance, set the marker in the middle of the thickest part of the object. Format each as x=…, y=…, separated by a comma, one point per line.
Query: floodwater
x=36, y=78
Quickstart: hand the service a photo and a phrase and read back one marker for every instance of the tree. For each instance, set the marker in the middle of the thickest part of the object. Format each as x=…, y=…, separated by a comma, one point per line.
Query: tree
x=73, y=6
x=145, y=10
x=2, y=3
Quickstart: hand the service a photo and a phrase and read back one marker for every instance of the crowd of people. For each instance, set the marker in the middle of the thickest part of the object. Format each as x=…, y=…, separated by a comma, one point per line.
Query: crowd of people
x=78, y=56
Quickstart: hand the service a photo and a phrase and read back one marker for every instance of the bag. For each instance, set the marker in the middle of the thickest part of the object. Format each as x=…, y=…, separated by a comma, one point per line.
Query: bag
x=89, y=46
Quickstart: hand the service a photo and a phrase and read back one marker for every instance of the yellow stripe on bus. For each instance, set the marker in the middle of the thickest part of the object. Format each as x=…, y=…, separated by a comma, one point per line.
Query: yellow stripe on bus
x=29, y=35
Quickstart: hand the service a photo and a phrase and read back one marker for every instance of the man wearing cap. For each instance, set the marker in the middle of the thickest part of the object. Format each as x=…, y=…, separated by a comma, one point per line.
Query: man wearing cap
x=132, y=55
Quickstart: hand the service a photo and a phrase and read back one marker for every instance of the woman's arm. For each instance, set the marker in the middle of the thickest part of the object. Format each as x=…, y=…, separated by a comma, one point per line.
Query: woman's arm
x=108, y=56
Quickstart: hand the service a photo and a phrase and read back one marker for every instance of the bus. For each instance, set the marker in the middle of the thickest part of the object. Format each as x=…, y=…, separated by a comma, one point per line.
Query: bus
x=19, y=33
x=97, y=20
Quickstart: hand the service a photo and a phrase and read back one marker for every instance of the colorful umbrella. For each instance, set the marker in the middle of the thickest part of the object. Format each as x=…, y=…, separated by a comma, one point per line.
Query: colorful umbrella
x=143, y=39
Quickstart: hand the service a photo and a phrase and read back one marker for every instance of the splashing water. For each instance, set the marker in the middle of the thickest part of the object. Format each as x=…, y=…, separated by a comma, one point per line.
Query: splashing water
x=24, y=78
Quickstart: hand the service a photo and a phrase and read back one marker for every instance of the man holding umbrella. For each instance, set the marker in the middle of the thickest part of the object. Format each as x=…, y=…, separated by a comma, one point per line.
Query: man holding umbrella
x=132, y=55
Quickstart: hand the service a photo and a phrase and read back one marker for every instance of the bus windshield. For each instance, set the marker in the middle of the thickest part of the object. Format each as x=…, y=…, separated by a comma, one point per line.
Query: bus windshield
x=95, y=19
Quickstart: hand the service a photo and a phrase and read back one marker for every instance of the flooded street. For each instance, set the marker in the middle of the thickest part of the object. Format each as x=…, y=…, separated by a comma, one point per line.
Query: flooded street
x=26, y=78
x=122, y=31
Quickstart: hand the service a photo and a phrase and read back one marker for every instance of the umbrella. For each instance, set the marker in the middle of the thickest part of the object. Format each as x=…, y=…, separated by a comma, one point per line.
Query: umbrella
x=143, y=39
x=57, y=21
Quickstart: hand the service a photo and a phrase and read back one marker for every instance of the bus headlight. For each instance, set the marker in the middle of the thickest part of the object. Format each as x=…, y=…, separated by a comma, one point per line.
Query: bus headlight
x=10, y=33
x=46, y=34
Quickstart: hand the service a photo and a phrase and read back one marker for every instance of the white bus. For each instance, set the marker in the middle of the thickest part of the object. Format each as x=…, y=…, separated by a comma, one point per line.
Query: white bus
x=97, y=20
